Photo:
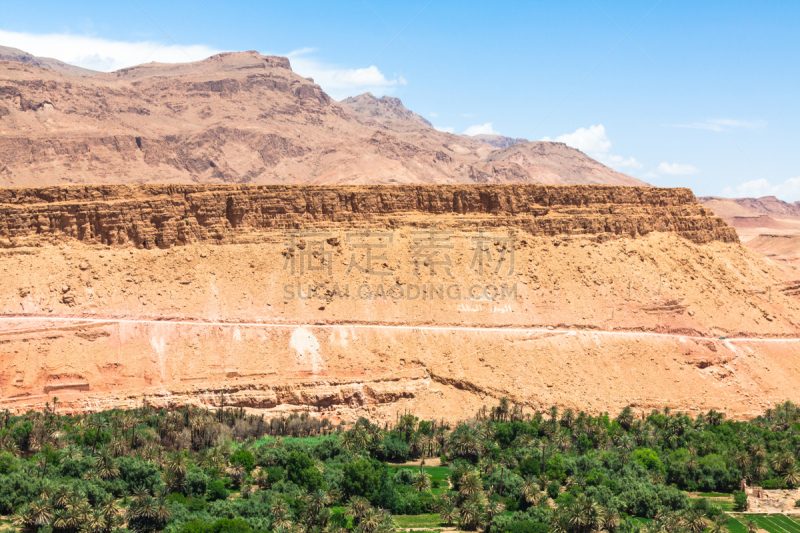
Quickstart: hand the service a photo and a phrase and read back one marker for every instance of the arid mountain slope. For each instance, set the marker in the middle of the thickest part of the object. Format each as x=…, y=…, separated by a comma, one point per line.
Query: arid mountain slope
x=12, y=54
x=767, y=225
x=556, y=163
x=385, y=110
x=372, y=300
x=766, y=205
x=498, y=141
x=235, y=118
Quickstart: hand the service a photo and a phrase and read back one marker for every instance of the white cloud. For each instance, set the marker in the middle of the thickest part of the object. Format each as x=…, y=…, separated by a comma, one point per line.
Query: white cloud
x=481, y=129
x=723, y=124
x=789, y=190
x=104, y=54
x=677, y=169
x=447, y=129
x=434, y=115
x=594, y=142
x=617, y=161
x=342, y=82
x=107, y=55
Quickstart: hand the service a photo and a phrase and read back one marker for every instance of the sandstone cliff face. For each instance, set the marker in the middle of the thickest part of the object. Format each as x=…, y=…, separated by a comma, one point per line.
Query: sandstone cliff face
x=163, y=216
x=372, y=300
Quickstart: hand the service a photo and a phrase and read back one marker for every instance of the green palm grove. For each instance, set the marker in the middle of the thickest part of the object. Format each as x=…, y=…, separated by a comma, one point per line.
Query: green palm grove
x=192, y=470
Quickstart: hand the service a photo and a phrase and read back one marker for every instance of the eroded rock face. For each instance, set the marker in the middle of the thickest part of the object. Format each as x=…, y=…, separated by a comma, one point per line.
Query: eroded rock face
x=352, y=301
x=164, y=216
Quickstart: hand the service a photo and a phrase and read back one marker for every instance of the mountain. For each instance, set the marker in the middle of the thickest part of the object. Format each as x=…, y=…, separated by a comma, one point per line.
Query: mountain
x=241, y=118
x=383, y=110
x=766, y=205
x=18, y=56
x=768, y=225
x=556, y=163
x=498, y=141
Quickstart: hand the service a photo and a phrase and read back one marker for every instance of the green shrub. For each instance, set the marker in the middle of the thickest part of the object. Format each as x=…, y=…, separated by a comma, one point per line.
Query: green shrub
x=526, y=526
x=222, y=525
x=773, y=484
x=739, y=501
x=243, y=458
x=217, y=490
x=362, y=477
x=649, y=459
x=137, y=473
x=530, y=466
x=300, y=469
x=553, y=489
x=196, y=482
x=7, y=463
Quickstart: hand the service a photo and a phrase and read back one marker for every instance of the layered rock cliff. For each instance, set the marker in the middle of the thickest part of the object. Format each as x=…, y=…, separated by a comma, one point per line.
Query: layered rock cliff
x=162, y=216
x=347, y=301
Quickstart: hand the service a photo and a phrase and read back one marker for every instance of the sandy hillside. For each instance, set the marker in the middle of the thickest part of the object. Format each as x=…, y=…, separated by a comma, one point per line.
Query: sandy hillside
x=612, y=296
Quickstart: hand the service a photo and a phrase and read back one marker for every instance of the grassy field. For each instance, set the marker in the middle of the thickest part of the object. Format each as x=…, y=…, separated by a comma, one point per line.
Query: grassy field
x=714, y=495
x=734, y=526
x=420, y=520
x=775, y=523
x=308, y=441
x=439, y=473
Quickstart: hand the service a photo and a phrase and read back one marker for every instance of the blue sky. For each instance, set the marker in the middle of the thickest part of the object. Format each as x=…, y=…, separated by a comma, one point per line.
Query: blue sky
x=678, y=93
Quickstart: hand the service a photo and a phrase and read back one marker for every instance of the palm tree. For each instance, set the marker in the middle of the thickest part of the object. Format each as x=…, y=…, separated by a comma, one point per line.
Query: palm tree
x=567, y=418
x=758, y=451
x=562, y=440
x=281, y=521
x=279, y=507
x=625, y=418
x=161, y=512
x=174, y=482
x=356, y=508
x=315, y=503
x=695, y=522
x=714, y=418
x=751, y=525
x=42, y=512
x=422, y=482
x=105, y=466
x=742, y=459
x=609, y=520
x=470, y=515
x=370, y=521
x=584, y=514
x=530, y=491
x=792, y=475
x=494, y=508
x=448, y=512
x=760, y=470
x=470, y=483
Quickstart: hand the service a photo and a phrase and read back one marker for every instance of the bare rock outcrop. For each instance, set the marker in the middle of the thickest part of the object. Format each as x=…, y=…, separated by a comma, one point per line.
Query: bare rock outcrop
x=165, y=215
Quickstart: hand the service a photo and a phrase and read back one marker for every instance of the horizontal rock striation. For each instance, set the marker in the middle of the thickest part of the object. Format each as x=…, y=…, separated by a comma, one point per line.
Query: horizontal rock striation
x=166, y=215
